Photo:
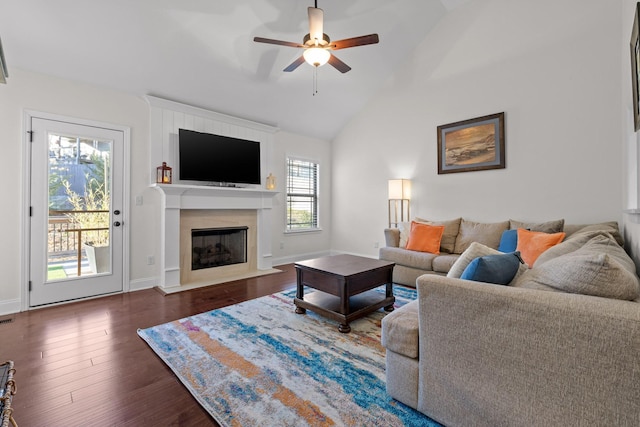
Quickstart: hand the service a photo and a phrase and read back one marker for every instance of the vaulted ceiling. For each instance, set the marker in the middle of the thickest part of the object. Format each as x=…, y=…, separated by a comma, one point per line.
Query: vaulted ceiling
x=201, y=52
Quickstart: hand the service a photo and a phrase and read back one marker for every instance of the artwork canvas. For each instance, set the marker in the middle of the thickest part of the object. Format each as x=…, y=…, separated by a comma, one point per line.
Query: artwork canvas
x=471, y=145
x=635, y=68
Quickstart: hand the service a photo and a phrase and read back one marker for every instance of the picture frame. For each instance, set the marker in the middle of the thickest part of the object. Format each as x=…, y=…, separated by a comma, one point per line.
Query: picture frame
x=634, y=44
x=472, y=145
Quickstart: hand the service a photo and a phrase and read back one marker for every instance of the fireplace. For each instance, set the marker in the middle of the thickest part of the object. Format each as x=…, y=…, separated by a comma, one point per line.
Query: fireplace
x=217, y=247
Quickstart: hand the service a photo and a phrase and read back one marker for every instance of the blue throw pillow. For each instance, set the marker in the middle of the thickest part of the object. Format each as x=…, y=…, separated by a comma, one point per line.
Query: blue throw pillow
x=508, y=241
x=498, y=269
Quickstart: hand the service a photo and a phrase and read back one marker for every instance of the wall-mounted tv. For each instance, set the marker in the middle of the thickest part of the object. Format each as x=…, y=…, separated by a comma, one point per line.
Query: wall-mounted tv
x=218, y=159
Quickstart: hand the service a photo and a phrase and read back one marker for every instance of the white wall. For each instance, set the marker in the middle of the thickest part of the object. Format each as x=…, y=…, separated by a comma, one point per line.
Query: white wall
x=552, y=67
x=290, y=247
x=26, y=90
x=32, y=91
x=630, y=138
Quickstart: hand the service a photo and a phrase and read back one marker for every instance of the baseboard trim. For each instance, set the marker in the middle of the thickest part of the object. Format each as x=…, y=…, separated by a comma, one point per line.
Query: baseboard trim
x=299, y=257
x=140, y=284
x=10, y=306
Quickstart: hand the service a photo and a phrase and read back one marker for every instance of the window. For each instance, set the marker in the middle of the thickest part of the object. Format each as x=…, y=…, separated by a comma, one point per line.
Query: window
x=302, y=195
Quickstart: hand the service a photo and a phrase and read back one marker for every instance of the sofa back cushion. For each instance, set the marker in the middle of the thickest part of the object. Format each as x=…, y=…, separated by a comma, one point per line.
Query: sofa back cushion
x=610, y=227
x=451, y=229
x=599, y=268
x=546, y=227
x=570, y=244
x=487, y=234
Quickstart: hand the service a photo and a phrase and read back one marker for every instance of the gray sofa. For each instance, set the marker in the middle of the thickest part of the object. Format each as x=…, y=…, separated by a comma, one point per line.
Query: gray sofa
x=458, y=234
x=559, y=346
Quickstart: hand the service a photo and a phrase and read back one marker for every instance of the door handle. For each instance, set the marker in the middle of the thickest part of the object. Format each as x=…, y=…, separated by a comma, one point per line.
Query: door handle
x=117, y=224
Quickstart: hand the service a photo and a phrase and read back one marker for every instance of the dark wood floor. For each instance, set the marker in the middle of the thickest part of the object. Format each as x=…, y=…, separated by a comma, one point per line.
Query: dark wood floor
x=82, y=364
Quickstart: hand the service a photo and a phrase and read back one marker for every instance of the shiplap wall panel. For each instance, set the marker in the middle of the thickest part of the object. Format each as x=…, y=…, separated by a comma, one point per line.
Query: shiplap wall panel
x=169, y=116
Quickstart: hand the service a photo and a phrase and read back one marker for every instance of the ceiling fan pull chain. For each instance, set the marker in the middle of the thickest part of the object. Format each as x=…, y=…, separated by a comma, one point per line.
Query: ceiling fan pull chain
x=315, y=80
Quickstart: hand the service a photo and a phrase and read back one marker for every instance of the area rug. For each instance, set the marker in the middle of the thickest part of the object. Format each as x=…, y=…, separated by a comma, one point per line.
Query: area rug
x=259, y=364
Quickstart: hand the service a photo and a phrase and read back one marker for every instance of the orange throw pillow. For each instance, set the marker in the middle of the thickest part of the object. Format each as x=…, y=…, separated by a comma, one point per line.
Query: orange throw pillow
x=532, y=243
x=425, y=237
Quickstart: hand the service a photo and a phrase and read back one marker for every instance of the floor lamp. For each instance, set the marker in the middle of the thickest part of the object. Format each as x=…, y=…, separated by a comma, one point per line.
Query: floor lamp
x=399, y=196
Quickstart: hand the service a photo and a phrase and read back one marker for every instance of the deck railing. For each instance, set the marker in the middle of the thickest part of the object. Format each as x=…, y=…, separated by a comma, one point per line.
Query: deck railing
x=65, y=237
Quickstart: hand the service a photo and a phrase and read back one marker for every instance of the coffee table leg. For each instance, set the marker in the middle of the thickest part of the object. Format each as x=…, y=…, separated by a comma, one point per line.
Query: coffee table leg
x=299, y=291
x=389, y=292
x=344, y=328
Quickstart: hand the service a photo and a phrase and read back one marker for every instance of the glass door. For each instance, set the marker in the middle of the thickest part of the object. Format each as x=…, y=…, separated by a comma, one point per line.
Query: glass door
x=76, y=218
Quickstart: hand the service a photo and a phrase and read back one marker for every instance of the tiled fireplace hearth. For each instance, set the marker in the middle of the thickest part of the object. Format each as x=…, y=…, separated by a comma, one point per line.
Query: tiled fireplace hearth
x=188, y=207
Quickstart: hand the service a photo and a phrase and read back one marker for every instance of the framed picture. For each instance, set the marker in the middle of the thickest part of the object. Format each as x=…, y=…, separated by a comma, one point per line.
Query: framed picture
x=635, y=67
x=472, y=145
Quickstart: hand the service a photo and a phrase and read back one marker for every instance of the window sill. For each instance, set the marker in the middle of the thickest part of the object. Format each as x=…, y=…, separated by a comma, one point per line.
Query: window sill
x=303, y=230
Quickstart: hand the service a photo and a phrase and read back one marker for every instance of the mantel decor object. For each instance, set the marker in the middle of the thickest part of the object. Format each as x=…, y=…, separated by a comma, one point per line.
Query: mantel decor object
x=163, y=174
x=472, y=145
x=271, y=182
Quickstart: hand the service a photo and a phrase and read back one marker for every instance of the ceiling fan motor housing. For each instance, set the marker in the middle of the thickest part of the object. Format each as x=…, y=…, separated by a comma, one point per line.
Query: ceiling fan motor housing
x=308, y=42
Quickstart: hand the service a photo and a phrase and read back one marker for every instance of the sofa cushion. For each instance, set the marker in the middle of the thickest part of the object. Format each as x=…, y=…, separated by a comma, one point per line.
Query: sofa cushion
x=419, y=260
x=533, y=243
x=610, y=227
x=497, y=269
x=487, y=234
x=547, y=227
x=400, y=330
x=425, y=237
x=405, y=229
x=570, y=244
x=451, y=229
x=508, y=241
x=474, y=251
x=443, y=262
x=597, y=269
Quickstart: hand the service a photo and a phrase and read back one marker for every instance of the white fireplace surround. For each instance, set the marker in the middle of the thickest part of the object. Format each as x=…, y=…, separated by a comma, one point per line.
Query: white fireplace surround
x=175, y=197
x=166, y=117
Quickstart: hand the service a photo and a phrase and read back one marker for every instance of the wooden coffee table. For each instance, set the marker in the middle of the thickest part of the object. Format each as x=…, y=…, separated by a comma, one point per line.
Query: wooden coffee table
x=343, y=287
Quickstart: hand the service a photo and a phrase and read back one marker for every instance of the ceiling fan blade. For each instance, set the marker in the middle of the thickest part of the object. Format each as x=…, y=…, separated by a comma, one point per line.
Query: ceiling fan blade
x=278, y=42
x=354, y=41
x=338, y=65
x=316, y=17
x=295, y=64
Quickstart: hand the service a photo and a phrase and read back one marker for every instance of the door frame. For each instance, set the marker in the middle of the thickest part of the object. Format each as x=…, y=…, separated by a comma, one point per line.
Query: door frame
x=26, y=198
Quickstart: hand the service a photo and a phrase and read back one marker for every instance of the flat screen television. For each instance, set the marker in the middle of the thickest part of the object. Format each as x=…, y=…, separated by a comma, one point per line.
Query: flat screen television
x=217, y=159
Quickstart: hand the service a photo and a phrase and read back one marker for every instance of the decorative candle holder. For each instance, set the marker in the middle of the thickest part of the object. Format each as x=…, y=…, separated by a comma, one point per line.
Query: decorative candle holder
x=271, y=182
x=163, y=174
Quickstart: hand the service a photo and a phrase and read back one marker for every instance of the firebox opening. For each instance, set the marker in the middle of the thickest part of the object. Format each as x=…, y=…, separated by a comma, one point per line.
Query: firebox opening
x=215, y=247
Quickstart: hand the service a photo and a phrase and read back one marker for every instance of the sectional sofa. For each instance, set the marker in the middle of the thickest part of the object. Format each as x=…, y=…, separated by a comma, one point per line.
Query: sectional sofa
x=458, y=234
x=558, y=345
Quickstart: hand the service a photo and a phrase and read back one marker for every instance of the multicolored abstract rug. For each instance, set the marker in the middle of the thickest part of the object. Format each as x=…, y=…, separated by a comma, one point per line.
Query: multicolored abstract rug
x=259, y=364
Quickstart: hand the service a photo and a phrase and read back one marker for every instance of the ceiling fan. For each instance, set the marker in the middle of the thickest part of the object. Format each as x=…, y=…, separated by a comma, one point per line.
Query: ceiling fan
x=317, y=45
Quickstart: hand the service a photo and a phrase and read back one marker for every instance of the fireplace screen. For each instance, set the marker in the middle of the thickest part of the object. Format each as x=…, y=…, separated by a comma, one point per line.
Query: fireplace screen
x=215, y=247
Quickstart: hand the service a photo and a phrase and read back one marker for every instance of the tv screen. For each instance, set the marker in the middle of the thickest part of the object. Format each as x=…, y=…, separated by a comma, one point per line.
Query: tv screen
x=218, y=159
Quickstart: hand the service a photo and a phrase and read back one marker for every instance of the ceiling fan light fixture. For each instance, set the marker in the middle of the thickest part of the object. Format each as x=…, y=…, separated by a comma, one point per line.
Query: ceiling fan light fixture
x=316, y=56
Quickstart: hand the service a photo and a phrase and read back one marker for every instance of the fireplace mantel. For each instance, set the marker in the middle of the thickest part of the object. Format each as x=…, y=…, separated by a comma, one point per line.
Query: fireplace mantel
x=212, y=197
x=176, y=197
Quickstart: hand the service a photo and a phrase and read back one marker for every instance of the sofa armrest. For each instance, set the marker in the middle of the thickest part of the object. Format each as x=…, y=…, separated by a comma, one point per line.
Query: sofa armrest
x=392, y=237
x=497, y=355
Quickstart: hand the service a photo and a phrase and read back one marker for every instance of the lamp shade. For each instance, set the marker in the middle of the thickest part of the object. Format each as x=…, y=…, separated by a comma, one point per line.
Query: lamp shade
x=316, y=56
x=399, y=189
